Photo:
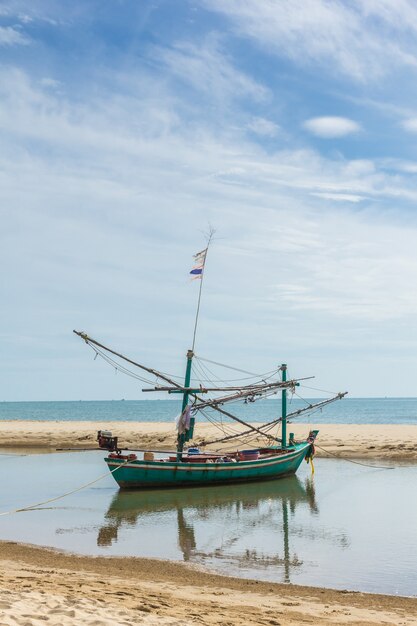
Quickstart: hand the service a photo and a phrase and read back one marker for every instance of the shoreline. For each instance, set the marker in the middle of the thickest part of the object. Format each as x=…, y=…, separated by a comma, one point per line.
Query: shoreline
x=355, y=441
x=65, y=589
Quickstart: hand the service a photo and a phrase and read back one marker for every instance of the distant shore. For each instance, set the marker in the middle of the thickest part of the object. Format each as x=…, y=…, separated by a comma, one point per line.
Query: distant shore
x=364, y=441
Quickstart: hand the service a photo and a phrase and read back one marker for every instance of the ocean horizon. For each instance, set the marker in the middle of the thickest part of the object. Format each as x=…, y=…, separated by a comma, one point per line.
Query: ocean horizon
x=387, y=410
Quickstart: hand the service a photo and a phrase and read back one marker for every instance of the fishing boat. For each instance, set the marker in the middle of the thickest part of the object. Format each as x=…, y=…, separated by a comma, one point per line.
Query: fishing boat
x=193, y=463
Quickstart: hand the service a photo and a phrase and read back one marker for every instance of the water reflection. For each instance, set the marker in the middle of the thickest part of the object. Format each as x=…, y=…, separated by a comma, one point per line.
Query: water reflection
x=242, y=526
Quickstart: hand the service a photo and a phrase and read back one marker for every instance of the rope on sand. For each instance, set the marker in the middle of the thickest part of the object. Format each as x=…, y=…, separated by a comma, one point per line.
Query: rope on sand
x=64, y=495
x=341, y=458
x=11, y=454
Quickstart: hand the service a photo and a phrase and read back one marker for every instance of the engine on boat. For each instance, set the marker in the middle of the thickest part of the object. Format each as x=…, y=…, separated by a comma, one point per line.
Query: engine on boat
x=106, y=441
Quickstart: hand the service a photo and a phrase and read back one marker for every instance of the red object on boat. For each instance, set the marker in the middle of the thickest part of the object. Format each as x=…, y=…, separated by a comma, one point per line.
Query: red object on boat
x=125, y=457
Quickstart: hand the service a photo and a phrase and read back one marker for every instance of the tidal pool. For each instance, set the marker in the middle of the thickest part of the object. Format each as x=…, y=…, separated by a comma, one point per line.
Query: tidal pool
x=346, y=527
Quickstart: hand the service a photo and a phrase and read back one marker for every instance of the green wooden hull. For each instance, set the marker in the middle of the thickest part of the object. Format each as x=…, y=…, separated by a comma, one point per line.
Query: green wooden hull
x=152, y=474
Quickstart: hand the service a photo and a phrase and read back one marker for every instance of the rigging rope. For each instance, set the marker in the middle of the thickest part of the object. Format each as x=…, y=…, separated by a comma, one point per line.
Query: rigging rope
x=210, y=376
x=236, y=369
x=317, y=389
x=205, y=373
x=227, y=428
x=117, y=366
x=262, y=431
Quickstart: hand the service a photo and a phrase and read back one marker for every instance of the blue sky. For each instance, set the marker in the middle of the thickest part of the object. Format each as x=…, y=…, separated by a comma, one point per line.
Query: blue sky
x=126, y=127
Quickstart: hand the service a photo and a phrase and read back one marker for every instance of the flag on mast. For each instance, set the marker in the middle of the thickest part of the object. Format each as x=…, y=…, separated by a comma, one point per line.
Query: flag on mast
x=199, y=260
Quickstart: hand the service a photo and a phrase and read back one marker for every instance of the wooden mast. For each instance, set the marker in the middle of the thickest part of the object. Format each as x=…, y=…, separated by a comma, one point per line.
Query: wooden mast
x=185, y=436
x=284, y=408
x=189, y=431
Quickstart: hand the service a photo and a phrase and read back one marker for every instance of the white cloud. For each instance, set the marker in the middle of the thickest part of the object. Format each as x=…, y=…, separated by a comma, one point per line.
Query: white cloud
x=398, y=165
x=9, y=36
x=50, y=82
x=410, y=124
x=24, y=18
x=208, y=69
x=263, y=127
x=331, y=127
x=362, y=40
x=340, y=197
x=347, y=272
x=408, y=167
x=148, y=151
x=102, y=201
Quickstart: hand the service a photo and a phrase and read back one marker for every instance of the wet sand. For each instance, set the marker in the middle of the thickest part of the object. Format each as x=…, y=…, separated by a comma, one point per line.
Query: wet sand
x=42, y=586
x=371, y=441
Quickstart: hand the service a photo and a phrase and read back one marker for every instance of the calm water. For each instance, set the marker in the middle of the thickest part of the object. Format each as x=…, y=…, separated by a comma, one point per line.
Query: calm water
x=350, y=528
x=347, y=411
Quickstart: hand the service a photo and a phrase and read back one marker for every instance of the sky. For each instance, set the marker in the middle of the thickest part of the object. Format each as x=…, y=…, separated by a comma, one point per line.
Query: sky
x=128, y=127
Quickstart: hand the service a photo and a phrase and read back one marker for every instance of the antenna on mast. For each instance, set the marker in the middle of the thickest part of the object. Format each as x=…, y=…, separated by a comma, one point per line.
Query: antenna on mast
x=198, y=271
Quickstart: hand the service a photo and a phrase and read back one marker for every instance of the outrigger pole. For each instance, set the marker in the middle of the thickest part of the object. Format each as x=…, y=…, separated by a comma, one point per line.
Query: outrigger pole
x=193, y=393
x=89, y=340
x=274, y=422
x=190, y=392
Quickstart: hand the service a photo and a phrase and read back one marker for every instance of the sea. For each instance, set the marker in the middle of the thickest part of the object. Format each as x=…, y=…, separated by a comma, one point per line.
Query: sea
x=346, y=411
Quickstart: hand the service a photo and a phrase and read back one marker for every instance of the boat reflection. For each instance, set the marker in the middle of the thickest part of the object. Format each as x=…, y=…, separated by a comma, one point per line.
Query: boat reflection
x=224, y=519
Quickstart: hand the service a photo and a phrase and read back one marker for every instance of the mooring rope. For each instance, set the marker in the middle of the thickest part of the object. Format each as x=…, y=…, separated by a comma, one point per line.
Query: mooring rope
x=11, y=455
x=352, y=461
x=64, y=495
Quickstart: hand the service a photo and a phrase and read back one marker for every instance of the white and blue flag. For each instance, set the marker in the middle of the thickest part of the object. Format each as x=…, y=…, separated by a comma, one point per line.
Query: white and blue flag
x=199, y=260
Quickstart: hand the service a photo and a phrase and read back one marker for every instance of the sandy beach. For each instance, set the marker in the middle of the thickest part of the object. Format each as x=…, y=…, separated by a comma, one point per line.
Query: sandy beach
x=39, y=585
x=371, y=441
